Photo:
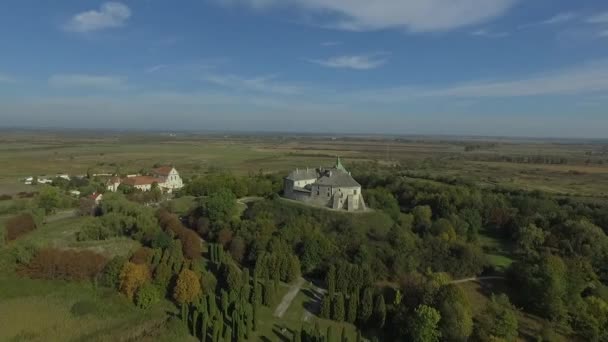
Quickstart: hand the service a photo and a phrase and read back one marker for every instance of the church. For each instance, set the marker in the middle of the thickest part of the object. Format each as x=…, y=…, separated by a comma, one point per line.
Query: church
x=332, y=187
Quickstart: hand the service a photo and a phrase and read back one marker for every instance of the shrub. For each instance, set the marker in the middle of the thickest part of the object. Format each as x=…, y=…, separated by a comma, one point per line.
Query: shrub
x=82, y=308
x=146, y=296
x=5, y=197
x=52, y=263
x=23, y=254
x=18, y=226
x=110, y=276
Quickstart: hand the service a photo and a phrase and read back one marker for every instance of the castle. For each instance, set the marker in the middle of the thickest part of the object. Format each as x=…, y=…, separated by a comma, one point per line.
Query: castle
x=332, y=187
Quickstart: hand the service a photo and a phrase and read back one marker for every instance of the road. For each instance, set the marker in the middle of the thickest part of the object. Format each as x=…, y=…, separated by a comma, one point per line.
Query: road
x=466, y=280
x=288, y=298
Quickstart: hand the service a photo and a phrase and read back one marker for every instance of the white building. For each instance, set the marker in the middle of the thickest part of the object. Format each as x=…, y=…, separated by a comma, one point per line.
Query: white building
x=166, y=177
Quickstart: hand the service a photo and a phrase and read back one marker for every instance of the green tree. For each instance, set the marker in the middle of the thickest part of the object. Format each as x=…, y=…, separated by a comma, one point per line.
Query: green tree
x=366, y=306
x=423, y=218
x=338, y=311
x=110, y=276
x=48, y=198
x=146, y=296
x=380, y=311
x=456, y=315
x=498, y=320
x=326, y=307
x=329, y=336
x=330, y=280
x=424, y=325
x=351, y=312
x=530, y=238
x=221, y=205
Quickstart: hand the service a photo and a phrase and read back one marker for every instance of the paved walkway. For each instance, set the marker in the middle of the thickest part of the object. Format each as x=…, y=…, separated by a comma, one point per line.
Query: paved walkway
x=466, y=280
x=288, y=298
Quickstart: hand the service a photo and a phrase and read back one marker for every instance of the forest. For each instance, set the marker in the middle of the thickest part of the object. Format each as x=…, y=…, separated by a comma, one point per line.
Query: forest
x=391, y=272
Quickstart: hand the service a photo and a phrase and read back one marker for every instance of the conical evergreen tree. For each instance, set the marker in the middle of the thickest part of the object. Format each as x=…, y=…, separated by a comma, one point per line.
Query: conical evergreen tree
x=351, y=312
x=326, y=307
x=379, y=311
x=330, y=280
x=366, y=306
x=338, y=308
x=329, y=336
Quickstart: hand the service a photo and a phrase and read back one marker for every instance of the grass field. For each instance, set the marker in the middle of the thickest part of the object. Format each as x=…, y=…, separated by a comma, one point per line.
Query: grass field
x=585, y=174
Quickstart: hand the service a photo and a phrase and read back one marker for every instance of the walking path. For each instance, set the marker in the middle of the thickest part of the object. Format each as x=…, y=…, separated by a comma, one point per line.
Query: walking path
x=288, y=298
x=61, y=215
x=466, y=280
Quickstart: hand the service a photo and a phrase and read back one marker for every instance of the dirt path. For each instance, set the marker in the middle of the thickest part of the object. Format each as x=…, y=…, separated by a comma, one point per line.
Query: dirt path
x=466, y=280
x=288, y=298
x=61, y=215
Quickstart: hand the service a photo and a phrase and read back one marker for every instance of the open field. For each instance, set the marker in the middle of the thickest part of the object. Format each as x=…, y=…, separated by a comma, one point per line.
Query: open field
x=571, y=167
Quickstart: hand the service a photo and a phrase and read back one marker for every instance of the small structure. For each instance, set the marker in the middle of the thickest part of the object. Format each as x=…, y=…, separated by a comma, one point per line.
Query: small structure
x=75, y=193
x=166, y=177
x=332, y=187
x=97, y=197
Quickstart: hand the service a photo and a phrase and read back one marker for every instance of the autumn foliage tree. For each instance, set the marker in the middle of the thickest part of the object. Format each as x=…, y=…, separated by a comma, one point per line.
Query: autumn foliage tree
x=132, y=277
x=187, y=288
x=191, y=242
x=50, y=263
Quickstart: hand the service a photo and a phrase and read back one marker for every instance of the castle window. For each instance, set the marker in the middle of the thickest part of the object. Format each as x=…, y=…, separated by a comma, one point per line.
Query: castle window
x=355, y=192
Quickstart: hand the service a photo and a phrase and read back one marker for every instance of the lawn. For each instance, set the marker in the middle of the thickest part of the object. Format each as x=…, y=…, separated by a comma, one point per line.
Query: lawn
x=497, y=250
x=301, y=313
x=62, y=234
x=48, y=310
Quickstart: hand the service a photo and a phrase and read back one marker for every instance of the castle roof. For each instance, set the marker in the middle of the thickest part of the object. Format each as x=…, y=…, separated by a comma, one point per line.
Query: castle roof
x=304, y=174
x=163, y=170
x=337, y=178
x=141, y=180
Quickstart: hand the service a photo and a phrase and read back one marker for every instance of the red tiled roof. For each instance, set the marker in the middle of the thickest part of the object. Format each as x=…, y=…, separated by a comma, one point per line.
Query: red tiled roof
x=113, y=180
x=95, y=195
x=141, y=180
x=163, y=170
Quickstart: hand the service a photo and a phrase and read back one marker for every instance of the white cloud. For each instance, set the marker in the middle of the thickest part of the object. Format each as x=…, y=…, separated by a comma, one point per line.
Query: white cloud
x=600, y=18
x=585, y=79
x=109, y=15
x=156, y=68
x=361, y=62
x=413, y=15
x=263, y=84
x=489, y=34
x=88, y=81
x=560, y=18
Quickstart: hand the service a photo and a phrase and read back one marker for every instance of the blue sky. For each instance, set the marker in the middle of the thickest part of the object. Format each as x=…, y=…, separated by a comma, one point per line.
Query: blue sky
x=481, y=67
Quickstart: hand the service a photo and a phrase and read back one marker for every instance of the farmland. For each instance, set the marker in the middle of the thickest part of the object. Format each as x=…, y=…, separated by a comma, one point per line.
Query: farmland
x=452, y=180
